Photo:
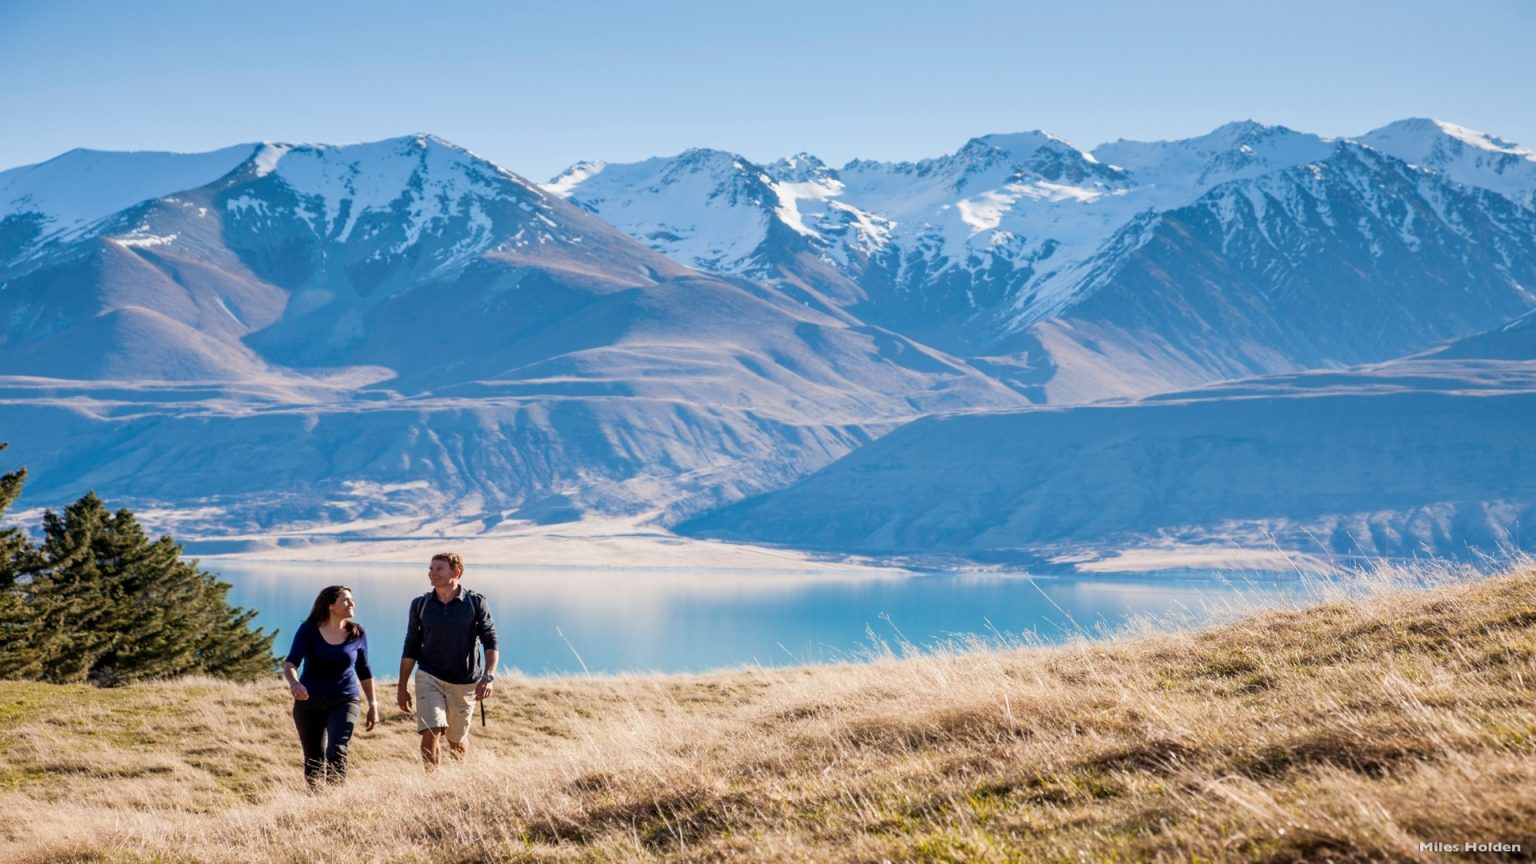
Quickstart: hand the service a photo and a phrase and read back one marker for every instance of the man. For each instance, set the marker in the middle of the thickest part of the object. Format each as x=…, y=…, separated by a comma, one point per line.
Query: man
x=445, y=623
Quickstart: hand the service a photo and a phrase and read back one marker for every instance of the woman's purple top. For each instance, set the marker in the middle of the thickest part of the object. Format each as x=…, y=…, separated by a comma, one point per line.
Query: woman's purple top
x=326, y=669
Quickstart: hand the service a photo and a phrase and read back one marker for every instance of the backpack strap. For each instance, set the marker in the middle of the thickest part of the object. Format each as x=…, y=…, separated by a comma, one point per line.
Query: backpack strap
x=420, y=604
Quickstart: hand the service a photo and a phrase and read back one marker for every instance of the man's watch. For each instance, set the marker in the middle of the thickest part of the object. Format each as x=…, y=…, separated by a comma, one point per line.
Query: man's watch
x=487, y=677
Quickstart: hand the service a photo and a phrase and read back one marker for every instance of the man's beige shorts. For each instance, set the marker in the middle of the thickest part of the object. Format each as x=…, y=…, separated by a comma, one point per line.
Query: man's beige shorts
x=440, y=704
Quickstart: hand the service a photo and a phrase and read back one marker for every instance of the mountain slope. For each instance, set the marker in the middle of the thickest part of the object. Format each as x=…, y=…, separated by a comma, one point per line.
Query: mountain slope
x=1424, y=456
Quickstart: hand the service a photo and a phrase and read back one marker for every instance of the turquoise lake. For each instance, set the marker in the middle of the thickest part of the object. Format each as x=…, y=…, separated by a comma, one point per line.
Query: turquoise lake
x=553, y=622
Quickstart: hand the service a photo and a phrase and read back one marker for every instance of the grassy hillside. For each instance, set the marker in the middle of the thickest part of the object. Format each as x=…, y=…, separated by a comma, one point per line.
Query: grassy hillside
x=1347, y=731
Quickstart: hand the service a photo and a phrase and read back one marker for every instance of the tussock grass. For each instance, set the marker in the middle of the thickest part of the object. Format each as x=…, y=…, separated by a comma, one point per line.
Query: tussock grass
x=1353, y=730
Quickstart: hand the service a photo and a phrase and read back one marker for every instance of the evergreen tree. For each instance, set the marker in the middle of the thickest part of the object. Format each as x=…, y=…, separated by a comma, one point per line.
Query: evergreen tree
x=111, y=607
x=100, y=602
x=13, y=544
x=90, y=603
x=15, y=552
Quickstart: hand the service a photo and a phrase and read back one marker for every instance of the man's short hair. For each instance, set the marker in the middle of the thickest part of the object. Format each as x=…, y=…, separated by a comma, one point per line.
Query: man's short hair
x=454, y=559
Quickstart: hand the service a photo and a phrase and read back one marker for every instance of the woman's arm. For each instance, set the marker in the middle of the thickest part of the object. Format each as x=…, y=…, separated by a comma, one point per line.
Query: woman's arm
x=373, y=704
x=365, y=681
x=291, y=675
x=291, y=664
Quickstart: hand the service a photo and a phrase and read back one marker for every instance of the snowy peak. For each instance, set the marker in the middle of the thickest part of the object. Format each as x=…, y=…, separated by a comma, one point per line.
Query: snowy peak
x=1039, y=156
x=801, y=168
x=705, y=208
x=1230, y=152
x=713, y=173
x=424, y=176
x=980, y=156
x=1229, y=136
x=1465, y=156
x=139, y=199
x=1425, y=135
x=993, y=160
x=1358, y=258
x=72, y=191
x=999, y=169
x=737, y=180
x=1019, y=145
x=986, y=151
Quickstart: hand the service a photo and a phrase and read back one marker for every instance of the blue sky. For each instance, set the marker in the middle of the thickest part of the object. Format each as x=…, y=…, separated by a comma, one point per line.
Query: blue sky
x=536, y=86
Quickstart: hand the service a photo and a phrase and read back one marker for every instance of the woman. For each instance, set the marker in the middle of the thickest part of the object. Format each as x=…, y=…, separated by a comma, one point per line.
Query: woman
x=328, y=695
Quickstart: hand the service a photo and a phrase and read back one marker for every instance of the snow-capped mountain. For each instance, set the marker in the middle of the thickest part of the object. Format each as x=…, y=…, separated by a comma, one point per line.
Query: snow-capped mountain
x=294, y=243
x=1355, y=258
x=1001, y=219
x=407, y=319
x=897, y=243
x=1463, y=155
x=1009, y=250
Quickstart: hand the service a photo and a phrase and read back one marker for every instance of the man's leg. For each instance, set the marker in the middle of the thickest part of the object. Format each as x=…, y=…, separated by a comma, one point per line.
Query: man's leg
x=431, y=717
x=461, y=707
x=431, y=756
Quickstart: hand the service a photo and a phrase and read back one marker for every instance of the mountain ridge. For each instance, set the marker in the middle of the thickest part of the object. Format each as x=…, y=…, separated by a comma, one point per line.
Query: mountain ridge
x=975, y=269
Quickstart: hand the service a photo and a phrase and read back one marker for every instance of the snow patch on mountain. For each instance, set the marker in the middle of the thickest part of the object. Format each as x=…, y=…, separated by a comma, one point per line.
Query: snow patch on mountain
x=566, y=182
x=140, y=240
x=805, y=189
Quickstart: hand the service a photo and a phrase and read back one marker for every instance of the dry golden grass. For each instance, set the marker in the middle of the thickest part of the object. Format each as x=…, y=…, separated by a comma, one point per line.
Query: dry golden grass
x=1349, y=731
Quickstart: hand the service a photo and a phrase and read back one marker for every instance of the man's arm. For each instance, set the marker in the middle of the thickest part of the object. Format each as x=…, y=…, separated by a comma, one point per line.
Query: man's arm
x=483, y=689
x=403, y=695
x=408, y=654
x=487, y=631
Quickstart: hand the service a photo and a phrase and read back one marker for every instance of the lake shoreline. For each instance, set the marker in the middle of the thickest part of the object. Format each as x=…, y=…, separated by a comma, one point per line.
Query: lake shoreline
x=636, y=544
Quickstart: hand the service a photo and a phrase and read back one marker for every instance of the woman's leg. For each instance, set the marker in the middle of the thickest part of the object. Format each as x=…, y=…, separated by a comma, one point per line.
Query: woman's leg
x=341, y=720
x=309, y=719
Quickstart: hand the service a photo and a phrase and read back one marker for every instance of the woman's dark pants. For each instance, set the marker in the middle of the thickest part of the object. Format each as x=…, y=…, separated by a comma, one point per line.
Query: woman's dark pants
x=325, y=727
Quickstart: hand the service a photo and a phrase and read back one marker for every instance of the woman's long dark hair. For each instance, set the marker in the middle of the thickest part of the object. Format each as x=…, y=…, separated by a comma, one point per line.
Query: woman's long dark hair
x=321, y=611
